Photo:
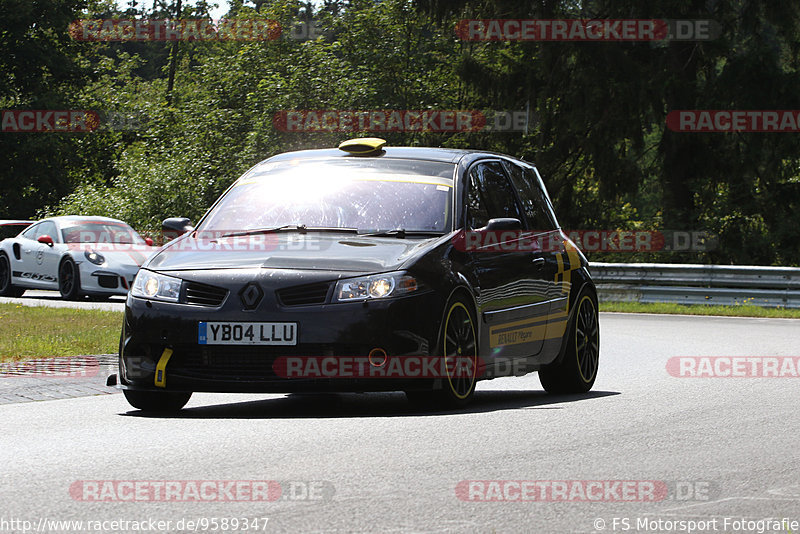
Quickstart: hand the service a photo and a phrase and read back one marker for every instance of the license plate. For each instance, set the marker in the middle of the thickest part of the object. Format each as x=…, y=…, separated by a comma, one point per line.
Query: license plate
x=223, y=333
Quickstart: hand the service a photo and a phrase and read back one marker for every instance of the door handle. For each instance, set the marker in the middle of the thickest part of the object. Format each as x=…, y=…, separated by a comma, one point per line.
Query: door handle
x=538, y=263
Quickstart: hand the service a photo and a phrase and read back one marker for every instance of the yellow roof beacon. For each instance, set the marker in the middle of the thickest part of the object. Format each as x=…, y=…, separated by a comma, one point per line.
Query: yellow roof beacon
x=364, y=146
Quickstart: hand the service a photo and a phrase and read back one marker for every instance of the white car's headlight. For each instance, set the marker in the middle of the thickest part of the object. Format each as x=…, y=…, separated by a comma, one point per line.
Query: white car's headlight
x=150, y=285
x=94, y=257
x=378, y=286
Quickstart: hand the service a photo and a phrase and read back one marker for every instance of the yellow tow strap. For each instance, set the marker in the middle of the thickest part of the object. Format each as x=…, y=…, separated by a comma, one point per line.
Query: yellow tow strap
x=161, y=368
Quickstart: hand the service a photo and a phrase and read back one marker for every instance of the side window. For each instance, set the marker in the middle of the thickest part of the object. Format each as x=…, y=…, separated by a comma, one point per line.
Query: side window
x=477, y=210
x=48, y=228
x=534, y=202
x=490, y=195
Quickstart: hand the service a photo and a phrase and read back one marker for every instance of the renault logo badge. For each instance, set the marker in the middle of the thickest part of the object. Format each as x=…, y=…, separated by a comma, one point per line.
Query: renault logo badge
x=251, y=295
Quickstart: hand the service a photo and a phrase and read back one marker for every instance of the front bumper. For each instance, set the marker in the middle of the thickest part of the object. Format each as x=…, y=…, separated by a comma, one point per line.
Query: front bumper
x=405, y=326
x=107, y=281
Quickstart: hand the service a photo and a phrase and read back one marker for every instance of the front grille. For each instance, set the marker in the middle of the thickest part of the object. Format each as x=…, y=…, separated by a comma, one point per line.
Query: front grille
x=204, y=295
x=304, y=295
x=108, y=281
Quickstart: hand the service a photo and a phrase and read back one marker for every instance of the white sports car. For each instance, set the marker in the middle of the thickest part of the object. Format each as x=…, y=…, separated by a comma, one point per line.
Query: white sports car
x=78, y=256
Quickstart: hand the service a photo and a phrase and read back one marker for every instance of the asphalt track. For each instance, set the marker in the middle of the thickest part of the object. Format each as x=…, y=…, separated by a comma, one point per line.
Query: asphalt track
x=725, y=451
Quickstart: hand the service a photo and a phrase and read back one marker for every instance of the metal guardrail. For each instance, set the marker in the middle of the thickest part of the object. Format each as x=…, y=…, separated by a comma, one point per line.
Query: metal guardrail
x=698, y=284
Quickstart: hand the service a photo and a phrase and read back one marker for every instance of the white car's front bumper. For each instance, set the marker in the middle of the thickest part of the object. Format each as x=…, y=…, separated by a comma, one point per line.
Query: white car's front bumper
x=107, y=281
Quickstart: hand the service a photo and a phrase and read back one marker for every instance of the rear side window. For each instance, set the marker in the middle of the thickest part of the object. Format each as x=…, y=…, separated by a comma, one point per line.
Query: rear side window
x=31, y=232
x=534, y=201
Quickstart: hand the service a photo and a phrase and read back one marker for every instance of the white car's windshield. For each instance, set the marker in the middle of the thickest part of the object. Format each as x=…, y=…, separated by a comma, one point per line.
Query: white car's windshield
x=370, y=195
x=100, y=232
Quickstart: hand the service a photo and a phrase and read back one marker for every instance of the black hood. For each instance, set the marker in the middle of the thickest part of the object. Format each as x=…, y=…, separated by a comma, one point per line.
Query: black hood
x=291, y=250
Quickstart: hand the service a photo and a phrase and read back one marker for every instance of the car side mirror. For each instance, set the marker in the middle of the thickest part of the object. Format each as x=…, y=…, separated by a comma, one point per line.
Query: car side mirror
x=175, y=226
x=148, y=241
x=503, y=224
x=45, y=239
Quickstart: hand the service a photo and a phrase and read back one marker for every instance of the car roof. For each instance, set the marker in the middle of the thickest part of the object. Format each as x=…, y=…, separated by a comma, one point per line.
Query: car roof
x=81, y=218
x=444, y=155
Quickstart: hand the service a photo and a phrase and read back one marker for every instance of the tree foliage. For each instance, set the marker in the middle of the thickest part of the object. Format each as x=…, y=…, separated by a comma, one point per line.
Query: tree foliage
x=599, y=135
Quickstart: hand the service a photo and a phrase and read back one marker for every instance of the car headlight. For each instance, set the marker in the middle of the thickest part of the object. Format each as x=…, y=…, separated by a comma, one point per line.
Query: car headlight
x=94, y=257
x=150, y=285
x=378, y=286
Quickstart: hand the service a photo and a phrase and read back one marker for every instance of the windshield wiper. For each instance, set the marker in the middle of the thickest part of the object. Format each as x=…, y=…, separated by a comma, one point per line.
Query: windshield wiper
x=257, y=231
x=401, y=233
x=302, y=228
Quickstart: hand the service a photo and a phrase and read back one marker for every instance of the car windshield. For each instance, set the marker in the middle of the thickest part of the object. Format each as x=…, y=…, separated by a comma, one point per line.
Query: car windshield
x=100, y=232
x=368, y=194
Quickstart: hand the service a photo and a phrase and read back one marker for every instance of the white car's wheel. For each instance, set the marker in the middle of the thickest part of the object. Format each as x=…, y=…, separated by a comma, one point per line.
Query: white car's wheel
x=7, y=289
x=69, y=280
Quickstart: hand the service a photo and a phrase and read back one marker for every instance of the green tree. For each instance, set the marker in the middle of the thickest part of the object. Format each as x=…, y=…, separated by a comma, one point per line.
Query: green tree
x=40, y=72
x=602, y=140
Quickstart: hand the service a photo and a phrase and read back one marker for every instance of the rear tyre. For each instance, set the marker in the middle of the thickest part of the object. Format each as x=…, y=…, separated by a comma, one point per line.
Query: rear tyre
x=459, y=349
x=157, y=401
x=6, y=288
x=69, y=280
x=577, y=371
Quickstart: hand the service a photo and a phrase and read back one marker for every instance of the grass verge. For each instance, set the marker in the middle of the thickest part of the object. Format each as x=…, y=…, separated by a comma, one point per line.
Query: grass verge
x=39, y=332
x=698, y=309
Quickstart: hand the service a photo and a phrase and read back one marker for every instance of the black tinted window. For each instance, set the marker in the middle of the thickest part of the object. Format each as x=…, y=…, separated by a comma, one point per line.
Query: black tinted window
x=533, y=199
x=490, y=195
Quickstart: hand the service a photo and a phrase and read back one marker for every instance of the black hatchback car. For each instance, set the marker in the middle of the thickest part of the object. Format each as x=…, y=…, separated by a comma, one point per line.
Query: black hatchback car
x=364, y=268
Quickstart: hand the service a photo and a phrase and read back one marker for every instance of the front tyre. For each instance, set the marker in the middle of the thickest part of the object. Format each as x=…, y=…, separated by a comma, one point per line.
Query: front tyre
x=7, y=289
x=459, y=349
x=577, y=370
x=157, y=401
x=69, y=280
